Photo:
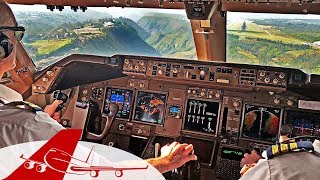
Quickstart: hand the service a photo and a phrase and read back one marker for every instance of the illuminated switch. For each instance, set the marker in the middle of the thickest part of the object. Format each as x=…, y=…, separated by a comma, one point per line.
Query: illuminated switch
x=211, y=77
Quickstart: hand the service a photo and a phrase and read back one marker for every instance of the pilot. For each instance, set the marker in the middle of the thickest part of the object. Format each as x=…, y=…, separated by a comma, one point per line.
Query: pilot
x=18, y=126
x=294, y=162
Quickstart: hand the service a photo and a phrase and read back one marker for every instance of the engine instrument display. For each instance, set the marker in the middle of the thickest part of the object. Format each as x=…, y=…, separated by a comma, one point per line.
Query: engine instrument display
x=201, y=116
x=261, y=123
x=303, y=123
x=122, y=97
x=150, y=107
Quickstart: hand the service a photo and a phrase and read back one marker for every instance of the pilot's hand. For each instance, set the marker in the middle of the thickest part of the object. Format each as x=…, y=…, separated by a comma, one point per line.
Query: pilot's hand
x=178, y=154
x=254, y=157
x=173, y=156
x=51, y=108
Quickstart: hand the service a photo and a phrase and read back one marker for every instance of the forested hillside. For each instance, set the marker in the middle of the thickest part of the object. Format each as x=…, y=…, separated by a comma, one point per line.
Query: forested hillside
x=276, y=42
x=170, y=38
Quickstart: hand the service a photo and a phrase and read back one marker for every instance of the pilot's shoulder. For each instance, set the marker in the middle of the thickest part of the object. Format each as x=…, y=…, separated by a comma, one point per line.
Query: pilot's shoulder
x=260, y=171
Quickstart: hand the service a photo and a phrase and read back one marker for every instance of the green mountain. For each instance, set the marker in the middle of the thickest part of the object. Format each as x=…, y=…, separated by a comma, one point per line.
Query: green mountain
x=100, y=37
x=143, y=34
x=169, y=38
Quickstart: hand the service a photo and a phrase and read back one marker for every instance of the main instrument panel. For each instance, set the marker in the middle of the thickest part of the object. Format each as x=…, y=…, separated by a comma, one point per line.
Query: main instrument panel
x=222, y=109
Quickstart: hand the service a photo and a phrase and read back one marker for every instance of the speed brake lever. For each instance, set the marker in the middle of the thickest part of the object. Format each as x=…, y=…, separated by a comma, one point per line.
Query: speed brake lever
x=110, y=117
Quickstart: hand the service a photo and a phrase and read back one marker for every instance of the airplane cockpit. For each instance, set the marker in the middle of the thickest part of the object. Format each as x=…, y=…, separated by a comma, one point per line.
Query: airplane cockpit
x=225, y=107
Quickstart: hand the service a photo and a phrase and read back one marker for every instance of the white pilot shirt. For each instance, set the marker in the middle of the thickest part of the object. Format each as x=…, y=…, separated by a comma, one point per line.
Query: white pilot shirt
x=20, y=126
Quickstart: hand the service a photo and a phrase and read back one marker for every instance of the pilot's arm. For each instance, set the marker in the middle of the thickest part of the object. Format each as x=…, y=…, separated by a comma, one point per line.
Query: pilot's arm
x=173, y=156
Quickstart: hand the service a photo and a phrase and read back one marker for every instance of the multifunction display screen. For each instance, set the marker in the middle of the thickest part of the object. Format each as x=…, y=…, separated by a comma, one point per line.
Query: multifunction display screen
x=121, y=97
x=303, y=123
x=150, y=107
x=231, y=153
x=201, y=116
x=261, y=123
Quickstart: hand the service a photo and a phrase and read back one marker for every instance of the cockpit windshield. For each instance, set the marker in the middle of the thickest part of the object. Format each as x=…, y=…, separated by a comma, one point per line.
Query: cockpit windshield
x=51, y=36
x=286, y=40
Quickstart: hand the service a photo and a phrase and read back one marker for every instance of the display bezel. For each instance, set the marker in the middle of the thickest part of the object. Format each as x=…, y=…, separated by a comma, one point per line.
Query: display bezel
x=260, y=105
x=285, y=121
x=199, y=132
x=135, y=106
x=123, y=88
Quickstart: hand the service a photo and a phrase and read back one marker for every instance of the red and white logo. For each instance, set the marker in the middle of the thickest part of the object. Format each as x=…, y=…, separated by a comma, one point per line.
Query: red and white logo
x=63, y=157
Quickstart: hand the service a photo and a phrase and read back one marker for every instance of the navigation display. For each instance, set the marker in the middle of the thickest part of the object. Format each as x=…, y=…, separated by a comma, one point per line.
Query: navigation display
x=121, y=97
x=261, y=123
x=150, y=107
x=201, y=116
x=303, y=123
x=231, y=154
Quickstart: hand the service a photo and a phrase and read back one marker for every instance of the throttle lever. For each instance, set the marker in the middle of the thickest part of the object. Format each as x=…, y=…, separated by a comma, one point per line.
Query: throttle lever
x=110, y=119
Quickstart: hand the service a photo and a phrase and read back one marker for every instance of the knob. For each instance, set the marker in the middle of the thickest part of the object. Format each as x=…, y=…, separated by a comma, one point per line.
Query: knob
x=131, y=84
x=275, y=81
x=83, y=99
x=194, y=91
x=189, y=91
x=112, y=144
x=262, y=73
x=281, y=75
x=142, y=63
x=202, y=72
x=160, y=72
x=136, y=67
x=40, y=88
x=276, y=101
x=267, y=80
x=202, y=93
x=50, y=73
x=217, y=95
x=289, y=102
x=175, y=70
x=235, y=103
x=34, y=87
x=126, y=61
x=85, y=92
x=121, y=127
x=45, y=79
x=64, y=122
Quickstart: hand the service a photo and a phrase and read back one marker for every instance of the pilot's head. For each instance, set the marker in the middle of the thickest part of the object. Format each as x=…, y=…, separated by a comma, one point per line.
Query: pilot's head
x=10, y=33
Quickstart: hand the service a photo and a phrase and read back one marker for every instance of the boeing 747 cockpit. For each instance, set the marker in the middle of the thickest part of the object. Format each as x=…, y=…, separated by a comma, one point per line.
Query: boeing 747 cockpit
x=233, y=78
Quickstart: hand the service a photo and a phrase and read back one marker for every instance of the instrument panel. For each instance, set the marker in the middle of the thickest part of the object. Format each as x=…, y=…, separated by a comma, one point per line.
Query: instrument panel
x=222, y=109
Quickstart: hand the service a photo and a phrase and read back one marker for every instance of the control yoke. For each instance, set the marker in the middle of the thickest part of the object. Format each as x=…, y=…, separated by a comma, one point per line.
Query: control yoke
x=110, y=117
